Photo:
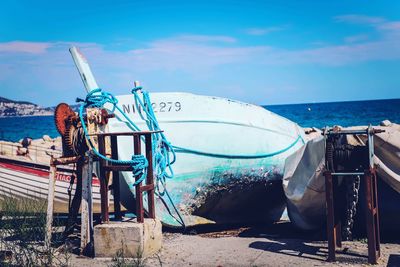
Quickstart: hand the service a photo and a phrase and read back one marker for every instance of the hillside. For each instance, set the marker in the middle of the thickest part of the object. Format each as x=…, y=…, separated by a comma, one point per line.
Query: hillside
x=11, y=108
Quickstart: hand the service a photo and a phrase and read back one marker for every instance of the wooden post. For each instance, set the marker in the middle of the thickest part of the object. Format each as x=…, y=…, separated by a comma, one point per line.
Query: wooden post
x=50, y=203
x=87, y=214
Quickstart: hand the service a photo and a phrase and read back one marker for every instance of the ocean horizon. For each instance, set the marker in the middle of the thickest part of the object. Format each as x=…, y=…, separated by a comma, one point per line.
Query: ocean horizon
x=319, y=115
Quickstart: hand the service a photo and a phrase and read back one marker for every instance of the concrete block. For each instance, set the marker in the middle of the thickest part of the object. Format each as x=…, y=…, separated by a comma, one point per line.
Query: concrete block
x=135, y=239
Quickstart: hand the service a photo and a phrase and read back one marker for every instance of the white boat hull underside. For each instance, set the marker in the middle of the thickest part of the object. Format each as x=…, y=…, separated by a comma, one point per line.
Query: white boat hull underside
x=222, y=176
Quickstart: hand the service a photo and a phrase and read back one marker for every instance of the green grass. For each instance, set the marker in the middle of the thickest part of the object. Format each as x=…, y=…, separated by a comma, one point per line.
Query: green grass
x=22, y=232
x=120, y=260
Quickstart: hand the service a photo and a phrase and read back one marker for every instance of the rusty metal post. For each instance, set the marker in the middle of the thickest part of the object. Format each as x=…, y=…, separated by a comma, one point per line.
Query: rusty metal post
x=150, y=176
x=376, y=213
x=105, y=218
x=330, y=222
x=372, y=216
x=50, y=203
x=115, y=180
x=139, y=196
x=336, y=206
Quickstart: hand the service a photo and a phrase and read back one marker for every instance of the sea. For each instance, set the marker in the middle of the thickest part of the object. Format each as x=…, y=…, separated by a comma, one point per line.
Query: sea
x=349, y=113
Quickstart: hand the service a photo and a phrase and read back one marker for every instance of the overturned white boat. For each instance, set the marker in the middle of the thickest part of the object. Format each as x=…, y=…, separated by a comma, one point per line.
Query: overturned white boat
x=229, y=155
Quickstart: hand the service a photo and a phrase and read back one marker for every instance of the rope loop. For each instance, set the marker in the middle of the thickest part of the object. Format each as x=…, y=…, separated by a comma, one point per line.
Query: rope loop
x=98, y=98
x=139, y=167
x=137, y=88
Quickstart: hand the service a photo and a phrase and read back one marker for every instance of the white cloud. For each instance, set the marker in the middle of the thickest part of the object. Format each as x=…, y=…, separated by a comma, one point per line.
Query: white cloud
x=356, y=38
x=24, y=47
x=392, y=26
x=262, y=31
x=359, y=19
x=194, y=53
x=205, y=38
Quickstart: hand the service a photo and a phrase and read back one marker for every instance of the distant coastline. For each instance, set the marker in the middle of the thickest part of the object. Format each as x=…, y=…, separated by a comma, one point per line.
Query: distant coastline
x=11, y=108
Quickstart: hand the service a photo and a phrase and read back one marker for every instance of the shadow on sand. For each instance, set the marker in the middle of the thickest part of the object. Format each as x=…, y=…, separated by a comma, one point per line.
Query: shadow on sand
x=283, y=238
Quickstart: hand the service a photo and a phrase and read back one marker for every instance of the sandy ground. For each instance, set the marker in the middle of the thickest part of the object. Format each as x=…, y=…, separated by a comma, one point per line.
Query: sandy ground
x=278, y=245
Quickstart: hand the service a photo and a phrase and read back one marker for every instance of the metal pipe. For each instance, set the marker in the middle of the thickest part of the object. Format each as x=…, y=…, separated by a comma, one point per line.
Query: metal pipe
x=346, y=173
x=341, y=132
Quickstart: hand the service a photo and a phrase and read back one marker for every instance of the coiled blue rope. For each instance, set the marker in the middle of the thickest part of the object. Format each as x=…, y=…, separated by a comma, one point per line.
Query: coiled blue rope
x=160, y=146
x=164, y=153
x=97, y=98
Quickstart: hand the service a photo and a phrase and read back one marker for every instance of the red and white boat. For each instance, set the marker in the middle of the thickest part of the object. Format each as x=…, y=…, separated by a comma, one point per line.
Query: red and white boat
x=23, y=178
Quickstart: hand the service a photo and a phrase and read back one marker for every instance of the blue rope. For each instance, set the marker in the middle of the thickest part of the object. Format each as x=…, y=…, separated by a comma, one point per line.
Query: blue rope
x=162, y=149
x=164, y=154
x=97, y=98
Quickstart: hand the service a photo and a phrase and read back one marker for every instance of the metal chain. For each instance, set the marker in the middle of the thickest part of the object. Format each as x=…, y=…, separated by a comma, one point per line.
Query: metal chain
x=352, y=186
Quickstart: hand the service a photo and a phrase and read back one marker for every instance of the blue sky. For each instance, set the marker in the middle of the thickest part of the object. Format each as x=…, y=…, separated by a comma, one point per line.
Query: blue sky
x=263, y=52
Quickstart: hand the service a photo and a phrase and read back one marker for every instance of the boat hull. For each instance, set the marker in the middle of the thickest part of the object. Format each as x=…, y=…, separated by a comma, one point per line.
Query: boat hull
x=30, y=180
x=221, y=174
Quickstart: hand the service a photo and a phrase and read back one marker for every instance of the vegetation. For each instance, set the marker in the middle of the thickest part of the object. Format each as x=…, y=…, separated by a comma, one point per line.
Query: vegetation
x=22, y=232
x=120, y=259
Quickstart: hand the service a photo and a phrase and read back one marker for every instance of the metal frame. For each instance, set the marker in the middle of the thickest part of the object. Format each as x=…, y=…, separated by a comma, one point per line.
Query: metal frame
x=106, y=167
x=371, y=194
